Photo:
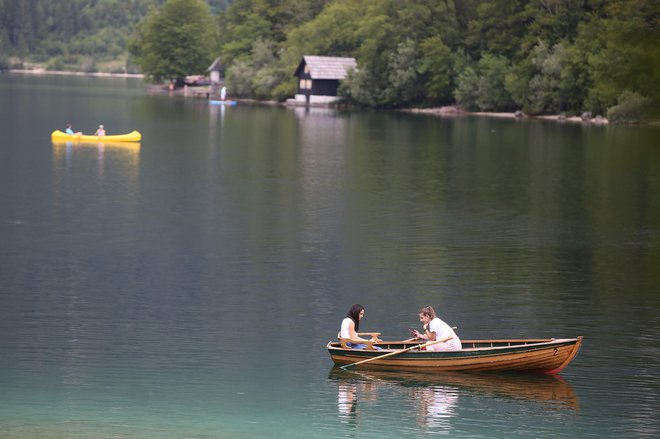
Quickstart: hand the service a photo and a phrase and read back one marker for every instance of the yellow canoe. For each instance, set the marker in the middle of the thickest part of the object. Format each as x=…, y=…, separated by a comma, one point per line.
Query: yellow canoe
x=60, y=136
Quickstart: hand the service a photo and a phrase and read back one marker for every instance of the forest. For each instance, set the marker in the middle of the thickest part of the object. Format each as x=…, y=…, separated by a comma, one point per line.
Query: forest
x=537, y=56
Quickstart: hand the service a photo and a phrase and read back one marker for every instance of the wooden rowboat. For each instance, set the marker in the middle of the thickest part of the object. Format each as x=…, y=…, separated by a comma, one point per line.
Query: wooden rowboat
x=520, y=355
x=59, y=136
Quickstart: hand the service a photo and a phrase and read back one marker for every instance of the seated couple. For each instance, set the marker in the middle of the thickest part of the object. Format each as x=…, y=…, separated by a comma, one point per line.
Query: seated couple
x=434, y=330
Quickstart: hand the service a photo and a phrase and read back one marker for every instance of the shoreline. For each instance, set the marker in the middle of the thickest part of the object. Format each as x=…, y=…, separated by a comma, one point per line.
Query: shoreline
x=72, y=73
x=456, y=111
x=446, y=111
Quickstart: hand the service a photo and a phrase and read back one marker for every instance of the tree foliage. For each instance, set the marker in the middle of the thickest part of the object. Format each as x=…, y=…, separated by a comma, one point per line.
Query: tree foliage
x=542, y=56
x=175, y=40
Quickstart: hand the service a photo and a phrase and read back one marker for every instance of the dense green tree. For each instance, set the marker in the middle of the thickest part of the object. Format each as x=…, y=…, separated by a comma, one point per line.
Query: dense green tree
x=482, y=86
x=20, y=24
x=247, y=21
x=493, y=95
x=244, y=23
x=436, y=68
x=404, y=85
x=257, y=75
x=239, y=78
x=632, y=108
x=175, y=40
x=336, y=31
x=499, y=27
x=627, y=55
x=544, y=83
x=467, y=88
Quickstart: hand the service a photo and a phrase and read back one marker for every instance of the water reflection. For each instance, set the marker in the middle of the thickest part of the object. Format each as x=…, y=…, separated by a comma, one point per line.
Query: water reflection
x=433, y=405
x=437, y=405
x=349, y=392
x=346, y=400
x=116, y=166
x=130, y=151
x=436, y=398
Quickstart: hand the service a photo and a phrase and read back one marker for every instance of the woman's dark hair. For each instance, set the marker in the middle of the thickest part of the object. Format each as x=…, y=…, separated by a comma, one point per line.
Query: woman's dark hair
x=354, y=314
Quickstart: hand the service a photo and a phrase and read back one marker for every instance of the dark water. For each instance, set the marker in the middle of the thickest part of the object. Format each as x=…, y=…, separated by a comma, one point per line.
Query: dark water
x=186, y=288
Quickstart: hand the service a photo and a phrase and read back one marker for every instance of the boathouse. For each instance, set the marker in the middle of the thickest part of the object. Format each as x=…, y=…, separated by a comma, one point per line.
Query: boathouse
x=319, y=77
x=216, y=71
x=217, y=75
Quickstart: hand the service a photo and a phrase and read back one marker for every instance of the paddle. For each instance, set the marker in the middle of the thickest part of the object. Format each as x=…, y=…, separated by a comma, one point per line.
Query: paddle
x=400, y=351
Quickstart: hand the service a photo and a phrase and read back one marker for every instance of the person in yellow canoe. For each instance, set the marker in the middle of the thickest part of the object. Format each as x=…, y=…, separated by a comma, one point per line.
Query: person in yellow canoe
x=351, y=325
x=69, y=131
x=436, y=329
x=100, y=132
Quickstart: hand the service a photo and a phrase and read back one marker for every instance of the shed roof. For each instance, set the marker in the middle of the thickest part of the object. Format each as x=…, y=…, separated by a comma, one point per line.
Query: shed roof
x=326, y=67
x=216, y=66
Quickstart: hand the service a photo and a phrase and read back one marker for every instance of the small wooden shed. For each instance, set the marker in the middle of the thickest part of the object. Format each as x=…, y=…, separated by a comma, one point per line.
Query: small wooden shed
x=216, y=71
x=319, y=76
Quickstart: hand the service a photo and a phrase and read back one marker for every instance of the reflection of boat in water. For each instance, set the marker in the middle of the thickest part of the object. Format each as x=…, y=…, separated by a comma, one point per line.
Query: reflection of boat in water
x=95, y=144
x=433, y=406
x=347, y=400
x=532, y=355
x=551, y=390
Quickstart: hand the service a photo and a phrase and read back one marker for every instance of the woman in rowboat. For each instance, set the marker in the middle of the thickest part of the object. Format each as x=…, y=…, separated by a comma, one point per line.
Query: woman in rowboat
x=436, y=329
x=351, y=325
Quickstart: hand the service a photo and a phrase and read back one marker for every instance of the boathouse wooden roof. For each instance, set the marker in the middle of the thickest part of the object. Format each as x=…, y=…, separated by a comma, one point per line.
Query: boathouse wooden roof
x=326, y=67
x=216, y=66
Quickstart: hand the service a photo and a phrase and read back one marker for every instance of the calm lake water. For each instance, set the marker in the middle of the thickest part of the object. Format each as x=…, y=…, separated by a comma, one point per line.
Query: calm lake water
x=186, y=287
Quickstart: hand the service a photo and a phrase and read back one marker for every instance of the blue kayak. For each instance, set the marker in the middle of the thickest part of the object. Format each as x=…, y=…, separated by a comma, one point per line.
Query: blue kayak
x=222, y=102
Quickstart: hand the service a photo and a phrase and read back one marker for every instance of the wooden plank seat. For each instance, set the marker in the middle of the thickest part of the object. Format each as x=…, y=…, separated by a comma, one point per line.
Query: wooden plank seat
x=369, y=343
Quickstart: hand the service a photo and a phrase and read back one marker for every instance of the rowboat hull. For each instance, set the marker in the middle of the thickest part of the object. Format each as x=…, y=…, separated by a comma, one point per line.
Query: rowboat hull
x=530, y=355
x=59, y=136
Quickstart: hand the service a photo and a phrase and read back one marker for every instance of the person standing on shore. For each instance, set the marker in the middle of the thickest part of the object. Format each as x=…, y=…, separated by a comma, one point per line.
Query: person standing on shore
x=223, y=93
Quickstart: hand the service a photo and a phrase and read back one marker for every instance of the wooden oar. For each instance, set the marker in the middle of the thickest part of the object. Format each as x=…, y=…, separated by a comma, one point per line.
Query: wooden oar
x=401, y=351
